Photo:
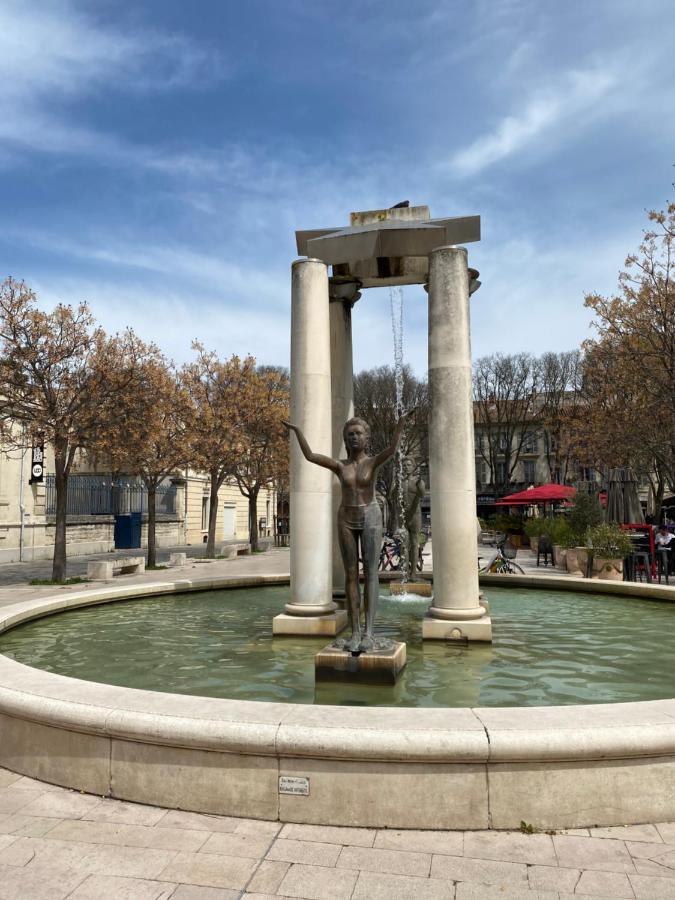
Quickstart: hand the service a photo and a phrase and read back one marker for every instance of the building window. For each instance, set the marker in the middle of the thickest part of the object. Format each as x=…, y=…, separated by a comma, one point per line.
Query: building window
x=478, y=440
x=205, y=513
x=501, y=473
x=530, y=443
x=529, y=473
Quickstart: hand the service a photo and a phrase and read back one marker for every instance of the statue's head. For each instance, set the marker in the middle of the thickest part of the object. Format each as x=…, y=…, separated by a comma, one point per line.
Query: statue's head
x=356, y=434
x=408, y=465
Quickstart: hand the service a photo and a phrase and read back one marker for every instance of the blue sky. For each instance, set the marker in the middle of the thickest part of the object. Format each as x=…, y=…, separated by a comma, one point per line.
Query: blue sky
x=156, y=157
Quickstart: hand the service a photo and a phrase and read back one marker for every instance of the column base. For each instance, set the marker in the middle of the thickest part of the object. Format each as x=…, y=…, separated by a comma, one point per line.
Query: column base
x=318, y=626
x=373, y=666
x=457, y=630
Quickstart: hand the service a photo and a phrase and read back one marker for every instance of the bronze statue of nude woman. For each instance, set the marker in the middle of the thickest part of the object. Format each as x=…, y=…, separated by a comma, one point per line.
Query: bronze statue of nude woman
x=359, y=521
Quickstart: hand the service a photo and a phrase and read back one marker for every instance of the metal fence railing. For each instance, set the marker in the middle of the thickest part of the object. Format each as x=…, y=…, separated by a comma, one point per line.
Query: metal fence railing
x=96, y=495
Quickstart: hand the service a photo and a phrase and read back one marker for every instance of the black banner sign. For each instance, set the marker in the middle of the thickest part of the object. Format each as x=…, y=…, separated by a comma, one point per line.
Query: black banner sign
x=37, y=464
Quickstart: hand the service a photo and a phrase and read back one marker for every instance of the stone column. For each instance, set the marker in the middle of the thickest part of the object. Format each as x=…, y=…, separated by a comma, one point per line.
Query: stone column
x=311, y=609
x=343, y=293
x=456, y=612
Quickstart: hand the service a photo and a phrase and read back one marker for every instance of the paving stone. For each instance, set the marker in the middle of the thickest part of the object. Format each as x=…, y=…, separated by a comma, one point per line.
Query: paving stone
x=176, y=839
x=592, y=853
x=648, y=887
x=511, y=846
x=27, y=826
x=378, y=886
x=654, y=867
x=481, y=871
x=16, y=853
x=61, y=805
x=127, y=813
x=268, y=876
x=96, y=887
x=312, y=853
x=628, y=833
x=611, y=883
x=257, y=828
x=667, y=831
x=93, y=859
x=178, y=818
x=318, y=883
x=576, y=832
x=7, y=778
x=35, y=884
x=466, y=891
x=12, y=799
x=552, y=878
x=210, y=870
x=394, y=862
x=329, y=834
x=199, y=892
x=236, y=845
x=651, y=850
x=449, y=842
x=113, y=833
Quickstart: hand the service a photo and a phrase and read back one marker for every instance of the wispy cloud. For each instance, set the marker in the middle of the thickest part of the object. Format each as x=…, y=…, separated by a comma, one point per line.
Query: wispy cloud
x=565, y=106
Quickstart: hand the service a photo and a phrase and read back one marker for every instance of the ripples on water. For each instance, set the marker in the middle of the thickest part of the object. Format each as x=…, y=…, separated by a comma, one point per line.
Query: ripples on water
x=549, y=648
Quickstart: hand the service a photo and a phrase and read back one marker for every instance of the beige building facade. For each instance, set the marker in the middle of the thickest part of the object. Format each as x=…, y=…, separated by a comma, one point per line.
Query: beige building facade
x=96, y=505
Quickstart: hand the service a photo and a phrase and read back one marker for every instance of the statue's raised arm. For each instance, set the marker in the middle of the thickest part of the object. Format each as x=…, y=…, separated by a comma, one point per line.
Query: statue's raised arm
x=317, y=458
x=384, y=455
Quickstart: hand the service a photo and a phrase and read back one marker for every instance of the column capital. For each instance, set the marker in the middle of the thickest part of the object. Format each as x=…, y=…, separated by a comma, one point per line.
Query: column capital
x=343, y=289
x=474, y=283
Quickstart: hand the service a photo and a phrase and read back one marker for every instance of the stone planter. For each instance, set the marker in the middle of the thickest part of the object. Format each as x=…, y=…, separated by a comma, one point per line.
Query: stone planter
x=608, y=569
x=560, y=556
x=577, y=560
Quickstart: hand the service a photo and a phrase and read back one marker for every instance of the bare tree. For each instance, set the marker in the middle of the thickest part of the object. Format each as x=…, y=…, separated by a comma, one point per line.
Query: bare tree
x=61, y=376
x=506, y=410
x=375, y=401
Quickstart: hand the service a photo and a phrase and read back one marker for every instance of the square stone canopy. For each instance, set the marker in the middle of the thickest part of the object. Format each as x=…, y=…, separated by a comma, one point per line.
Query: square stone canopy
x=383, y=247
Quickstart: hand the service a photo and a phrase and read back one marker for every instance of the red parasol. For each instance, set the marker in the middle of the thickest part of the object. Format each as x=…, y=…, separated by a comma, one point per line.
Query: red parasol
x=544, y=493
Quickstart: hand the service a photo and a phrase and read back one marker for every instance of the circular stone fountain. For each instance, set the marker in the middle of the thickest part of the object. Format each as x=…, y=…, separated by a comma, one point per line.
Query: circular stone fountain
x=470, y=767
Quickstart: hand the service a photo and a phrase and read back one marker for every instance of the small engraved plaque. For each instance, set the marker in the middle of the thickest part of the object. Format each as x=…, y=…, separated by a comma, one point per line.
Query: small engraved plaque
x=291, y=784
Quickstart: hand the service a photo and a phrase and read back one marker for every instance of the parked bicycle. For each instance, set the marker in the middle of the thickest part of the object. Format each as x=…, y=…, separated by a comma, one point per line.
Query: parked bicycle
x=391, y=554
x=503, y=562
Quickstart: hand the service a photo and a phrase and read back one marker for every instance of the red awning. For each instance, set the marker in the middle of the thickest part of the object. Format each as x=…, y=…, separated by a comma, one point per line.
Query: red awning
x=544, y=493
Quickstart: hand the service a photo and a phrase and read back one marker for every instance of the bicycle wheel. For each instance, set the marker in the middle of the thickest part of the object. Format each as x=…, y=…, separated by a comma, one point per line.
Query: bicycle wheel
x=514, y=569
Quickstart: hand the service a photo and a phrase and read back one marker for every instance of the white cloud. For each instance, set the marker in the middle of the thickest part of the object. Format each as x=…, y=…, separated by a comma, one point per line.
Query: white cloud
x=563, y=107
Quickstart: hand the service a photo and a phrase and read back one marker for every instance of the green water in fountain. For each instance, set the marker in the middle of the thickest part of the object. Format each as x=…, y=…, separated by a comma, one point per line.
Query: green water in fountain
x=550, y=648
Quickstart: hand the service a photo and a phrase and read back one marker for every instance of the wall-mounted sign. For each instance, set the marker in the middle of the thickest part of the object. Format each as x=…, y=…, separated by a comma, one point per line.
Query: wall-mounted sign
x=292, y=784
x=37, y=463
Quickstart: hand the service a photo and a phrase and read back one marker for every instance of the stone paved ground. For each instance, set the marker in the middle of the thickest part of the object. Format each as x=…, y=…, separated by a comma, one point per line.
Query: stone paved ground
x=56, y=843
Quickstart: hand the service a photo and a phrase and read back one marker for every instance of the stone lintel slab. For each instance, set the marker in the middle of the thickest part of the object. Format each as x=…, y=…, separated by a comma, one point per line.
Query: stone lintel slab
x=380, y=666
x=329, y=625
x=460, y=630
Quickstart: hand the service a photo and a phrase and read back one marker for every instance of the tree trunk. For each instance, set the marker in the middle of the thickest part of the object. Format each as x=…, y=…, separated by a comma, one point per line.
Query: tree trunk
x=152, y=525
x=59, y=561
x=213, y=517
x=253, y=518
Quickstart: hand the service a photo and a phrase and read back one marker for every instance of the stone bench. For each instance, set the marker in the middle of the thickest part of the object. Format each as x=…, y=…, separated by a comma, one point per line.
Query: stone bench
x=104, y=570
x=229, y=551
x=177, y=559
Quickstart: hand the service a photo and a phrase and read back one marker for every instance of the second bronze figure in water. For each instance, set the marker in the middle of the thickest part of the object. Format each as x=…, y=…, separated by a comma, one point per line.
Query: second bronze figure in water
x=359, y=522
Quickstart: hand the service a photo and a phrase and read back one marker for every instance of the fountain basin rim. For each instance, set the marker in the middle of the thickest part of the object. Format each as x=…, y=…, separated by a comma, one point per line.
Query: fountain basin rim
x=492, y=734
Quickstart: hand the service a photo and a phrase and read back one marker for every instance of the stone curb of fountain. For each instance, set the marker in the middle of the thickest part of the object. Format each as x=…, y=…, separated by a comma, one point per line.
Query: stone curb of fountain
x=461, y=738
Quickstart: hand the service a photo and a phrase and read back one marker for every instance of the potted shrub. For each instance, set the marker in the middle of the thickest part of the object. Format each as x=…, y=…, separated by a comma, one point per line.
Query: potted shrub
x=561, y=538
x=585, y=515
x=610, y=546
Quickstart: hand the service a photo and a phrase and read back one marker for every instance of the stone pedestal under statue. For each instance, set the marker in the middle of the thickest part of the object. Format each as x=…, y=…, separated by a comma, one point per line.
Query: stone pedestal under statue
x=372, y=667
